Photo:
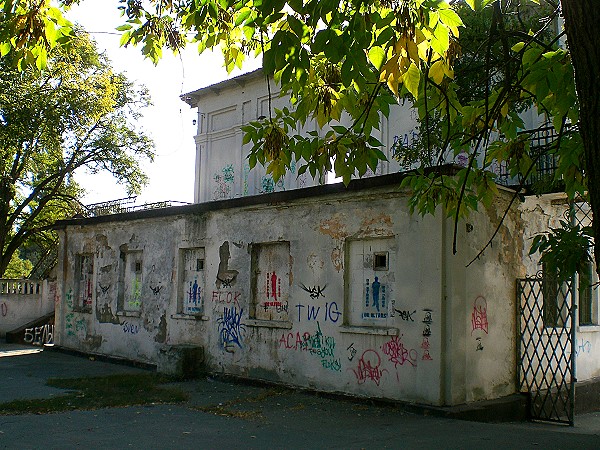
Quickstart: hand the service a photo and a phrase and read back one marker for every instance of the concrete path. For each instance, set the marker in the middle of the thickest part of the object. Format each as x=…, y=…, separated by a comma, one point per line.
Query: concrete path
x=222, y=415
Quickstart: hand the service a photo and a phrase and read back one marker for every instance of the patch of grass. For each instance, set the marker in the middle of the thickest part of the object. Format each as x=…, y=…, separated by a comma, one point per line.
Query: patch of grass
x=100, y=392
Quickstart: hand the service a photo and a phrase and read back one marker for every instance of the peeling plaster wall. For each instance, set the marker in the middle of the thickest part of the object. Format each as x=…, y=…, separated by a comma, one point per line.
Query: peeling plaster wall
x=342, y=292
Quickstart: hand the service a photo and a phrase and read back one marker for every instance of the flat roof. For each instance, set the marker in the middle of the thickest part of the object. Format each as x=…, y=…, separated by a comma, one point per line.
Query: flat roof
x=273, y=198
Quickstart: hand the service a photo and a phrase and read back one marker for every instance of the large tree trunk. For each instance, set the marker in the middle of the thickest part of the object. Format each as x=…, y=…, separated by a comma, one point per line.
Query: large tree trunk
x=582, y=18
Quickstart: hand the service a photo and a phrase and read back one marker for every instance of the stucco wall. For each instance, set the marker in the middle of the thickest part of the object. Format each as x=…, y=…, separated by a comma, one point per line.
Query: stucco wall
x=340, y=292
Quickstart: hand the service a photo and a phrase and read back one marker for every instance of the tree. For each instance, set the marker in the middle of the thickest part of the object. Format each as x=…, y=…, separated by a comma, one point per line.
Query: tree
x=357, y=58
x=75, y=114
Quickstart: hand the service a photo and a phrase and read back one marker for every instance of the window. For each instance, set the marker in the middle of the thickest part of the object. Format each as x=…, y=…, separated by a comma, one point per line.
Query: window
x=586, y=295
x=191, y=282
x=270, y=281
x=380, y=261
x=369, y=278
x=130, y=281
x=556, y=299
x=85, y=283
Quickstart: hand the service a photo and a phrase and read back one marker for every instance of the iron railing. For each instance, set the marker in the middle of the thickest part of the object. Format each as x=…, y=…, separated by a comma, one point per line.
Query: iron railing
x=124, y=205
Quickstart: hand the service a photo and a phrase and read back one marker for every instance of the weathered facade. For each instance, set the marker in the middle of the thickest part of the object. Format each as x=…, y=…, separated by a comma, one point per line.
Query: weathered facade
x=328, y=288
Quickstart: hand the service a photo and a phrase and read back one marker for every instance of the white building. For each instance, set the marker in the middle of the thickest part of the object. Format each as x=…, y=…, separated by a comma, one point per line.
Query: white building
x=330, y=288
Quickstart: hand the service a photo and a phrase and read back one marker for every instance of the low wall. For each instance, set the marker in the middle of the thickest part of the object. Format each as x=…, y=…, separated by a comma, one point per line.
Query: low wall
x=24, y=301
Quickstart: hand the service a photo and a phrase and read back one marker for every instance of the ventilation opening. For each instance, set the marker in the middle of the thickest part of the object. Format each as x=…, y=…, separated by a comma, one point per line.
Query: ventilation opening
x=380, y=261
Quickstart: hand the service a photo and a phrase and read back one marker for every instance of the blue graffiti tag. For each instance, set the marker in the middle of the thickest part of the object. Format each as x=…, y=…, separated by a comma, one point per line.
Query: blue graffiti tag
x=231, y=327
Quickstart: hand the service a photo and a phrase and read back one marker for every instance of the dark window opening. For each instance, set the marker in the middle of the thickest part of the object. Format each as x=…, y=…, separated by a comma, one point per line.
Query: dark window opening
x=380, y=261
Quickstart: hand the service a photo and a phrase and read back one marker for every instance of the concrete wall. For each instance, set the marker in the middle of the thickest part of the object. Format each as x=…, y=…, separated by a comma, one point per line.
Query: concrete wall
x=23, y=301
x=333, y=289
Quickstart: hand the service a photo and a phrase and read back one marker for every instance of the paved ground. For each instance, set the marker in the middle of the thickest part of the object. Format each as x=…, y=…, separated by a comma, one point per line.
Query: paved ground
x=222, y=415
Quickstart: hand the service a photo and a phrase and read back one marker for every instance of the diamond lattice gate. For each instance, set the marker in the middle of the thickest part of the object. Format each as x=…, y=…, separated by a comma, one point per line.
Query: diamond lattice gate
x=546, y=350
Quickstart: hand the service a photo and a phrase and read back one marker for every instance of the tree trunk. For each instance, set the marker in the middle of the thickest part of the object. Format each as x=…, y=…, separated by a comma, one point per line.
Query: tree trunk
x=582, y=18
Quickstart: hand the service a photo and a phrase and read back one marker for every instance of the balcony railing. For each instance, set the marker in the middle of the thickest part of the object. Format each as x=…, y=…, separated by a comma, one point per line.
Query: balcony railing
x=20, y=286
x=546, y=162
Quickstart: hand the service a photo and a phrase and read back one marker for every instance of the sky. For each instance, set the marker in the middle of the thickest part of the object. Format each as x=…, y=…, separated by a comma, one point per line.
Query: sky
x=168, y=121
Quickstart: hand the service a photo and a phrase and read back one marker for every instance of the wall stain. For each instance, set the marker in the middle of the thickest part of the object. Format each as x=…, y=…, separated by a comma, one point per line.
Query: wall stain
x=225, y=277
x=376, y=225
x=105, y=315
x=334, y=227
x=161, y=336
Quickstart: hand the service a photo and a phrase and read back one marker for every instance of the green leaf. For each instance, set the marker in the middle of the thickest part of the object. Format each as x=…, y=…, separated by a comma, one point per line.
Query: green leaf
x=377, y=56
x=411, y=80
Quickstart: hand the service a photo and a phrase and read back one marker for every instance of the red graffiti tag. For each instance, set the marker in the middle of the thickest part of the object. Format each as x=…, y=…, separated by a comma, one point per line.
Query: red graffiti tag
x=227, y=297
x=479, y=320
x=398, y=354
x=368, y=367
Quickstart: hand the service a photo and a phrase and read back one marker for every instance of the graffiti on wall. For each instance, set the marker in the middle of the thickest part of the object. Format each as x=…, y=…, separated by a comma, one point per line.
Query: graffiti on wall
x=315, y=291
x=130, y=328
x=317, y=344
x=4, y=309
x=425, y=345
x=351, y=352
x=156, y=289
x=329, y=312
x=231, y=328
x=226, y=298
x=103, y=289
x=479, y=319
x=224, y=182
x=39, y=335
x=136, y=293
x=193, y=304
x=69, y=328
x=398, y=354
x=479, y=345
x=369, y=368
x=85, y=286
x=582, y=346
x=274, y=300
x=406, y=315
x=375, y=306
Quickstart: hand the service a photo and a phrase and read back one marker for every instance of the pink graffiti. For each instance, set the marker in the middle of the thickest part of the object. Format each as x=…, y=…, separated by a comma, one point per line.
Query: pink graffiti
x=425, y=346
x=479, y=319
x=398, y=354
x=368, y=367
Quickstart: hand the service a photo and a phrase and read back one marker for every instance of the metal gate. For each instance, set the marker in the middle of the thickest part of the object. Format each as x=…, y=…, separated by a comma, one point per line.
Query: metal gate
x=546, y=358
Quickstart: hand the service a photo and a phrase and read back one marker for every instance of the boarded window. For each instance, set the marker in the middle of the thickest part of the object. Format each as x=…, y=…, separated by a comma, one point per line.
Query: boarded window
x=85, y=282
x=270, y=281
x=192, y=282
x=369, y=275
x=130, y=292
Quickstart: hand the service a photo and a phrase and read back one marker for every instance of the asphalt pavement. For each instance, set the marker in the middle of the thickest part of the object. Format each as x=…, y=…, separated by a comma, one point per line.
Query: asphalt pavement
x=228, y=415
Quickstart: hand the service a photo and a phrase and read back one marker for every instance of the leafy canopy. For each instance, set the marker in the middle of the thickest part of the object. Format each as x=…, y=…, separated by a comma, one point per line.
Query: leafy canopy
x=75, y=114
x=346, y=62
